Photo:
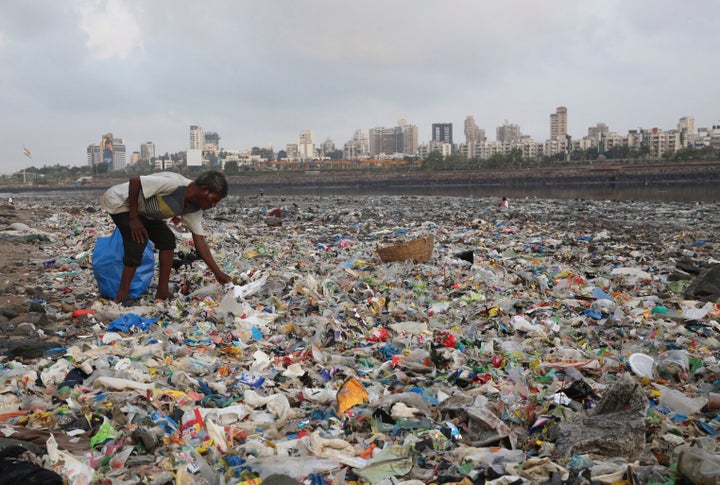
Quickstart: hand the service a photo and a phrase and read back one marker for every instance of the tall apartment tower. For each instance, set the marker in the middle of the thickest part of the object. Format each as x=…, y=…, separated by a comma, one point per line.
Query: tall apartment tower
x=358, y=147
x=112, y=153
x=442, y=132
x=306, y=147
x=686, y=127
x=94, y=154
x=292, y=151
x=119, y=157
x=508, y=132
x=382, y=140
x=147, y=151
x=197, y=137
x=361, y=137
x=558, y=124
x=408, y=133
x=473, y=133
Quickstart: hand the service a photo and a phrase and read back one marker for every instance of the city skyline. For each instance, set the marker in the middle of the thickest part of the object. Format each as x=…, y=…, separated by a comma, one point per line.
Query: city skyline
x=401, y=140
x=260, y=73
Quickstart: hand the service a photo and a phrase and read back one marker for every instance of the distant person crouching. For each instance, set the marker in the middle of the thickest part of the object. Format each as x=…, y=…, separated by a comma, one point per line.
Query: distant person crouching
x=504, y=204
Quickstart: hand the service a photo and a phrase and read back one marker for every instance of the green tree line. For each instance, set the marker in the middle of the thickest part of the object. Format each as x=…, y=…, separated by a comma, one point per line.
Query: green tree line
x=54, y=174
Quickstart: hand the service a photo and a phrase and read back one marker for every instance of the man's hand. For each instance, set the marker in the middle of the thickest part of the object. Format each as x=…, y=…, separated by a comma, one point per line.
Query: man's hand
x=204, y=252
x=138, y=231
x=223, y=278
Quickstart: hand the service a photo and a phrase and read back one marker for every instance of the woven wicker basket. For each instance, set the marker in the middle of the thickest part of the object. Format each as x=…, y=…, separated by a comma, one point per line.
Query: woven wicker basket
x=417, y=250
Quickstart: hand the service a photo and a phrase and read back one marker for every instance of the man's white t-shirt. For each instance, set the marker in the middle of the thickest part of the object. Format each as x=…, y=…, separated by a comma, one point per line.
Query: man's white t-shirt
x=161, y=197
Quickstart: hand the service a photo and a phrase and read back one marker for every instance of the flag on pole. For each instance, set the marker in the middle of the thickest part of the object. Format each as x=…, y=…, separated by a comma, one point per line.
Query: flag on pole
x=27, y=152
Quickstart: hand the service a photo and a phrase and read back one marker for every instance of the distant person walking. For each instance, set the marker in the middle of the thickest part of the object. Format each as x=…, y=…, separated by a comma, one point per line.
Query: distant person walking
x=10, y=201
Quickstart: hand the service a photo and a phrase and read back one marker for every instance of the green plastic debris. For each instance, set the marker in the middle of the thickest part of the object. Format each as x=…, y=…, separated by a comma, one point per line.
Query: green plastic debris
x=105, y=433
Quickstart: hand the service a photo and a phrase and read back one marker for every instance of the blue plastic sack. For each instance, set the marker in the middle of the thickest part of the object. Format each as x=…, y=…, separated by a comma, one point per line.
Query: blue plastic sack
x=108, y=266
x=130, y=320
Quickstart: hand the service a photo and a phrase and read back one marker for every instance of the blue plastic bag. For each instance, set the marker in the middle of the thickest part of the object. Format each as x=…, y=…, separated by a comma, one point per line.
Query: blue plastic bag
x=108, y=266
x=130, y=320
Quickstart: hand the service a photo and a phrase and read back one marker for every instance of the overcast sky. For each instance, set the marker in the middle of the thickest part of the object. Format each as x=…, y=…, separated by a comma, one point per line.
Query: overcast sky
x=259, y=72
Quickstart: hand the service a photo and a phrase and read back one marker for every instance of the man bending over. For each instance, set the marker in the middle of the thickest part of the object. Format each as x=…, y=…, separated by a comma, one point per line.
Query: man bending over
x=140, y=208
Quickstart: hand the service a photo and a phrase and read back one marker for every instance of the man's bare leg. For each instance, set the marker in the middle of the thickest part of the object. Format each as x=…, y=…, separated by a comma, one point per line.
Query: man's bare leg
x=166, y=259
x=125, y=280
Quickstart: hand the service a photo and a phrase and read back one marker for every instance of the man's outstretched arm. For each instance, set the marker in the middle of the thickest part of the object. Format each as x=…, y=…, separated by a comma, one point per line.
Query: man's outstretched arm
x=205, y=254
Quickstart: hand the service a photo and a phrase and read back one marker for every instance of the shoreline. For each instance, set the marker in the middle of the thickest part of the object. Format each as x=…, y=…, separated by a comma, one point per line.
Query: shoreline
x=596, y=174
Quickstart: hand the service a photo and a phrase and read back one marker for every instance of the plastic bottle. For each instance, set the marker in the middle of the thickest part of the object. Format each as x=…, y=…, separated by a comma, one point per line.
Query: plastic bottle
x=699, y=466
x=673, y=364
x=679, y=402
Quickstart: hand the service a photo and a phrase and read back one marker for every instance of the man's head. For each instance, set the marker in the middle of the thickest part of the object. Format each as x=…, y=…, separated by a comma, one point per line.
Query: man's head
x=212, y=188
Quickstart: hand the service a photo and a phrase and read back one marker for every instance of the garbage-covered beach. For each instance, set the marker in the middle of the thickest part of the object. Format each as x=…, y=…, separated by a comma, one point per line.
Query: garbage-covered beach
x=557, y=341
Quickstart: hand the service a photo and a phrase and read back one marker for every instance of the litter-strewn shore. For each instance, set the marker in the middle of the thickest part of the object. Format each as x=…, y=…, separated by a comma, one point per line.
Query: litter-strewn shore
x=606, y=172
x=504, y=358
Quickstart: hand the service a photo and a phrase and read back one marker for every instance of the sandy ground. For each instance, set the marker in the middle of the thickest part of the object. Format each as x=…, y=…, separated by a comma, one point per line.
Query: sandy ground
x=19, y=259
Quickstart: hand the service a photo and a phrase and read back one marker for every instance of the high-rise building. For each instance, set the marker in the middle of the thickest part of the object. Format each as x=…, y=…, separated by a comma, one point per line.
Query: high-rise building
x=358, y=147
x=119, y=158
x=306, y=147
x=396, y=141
x=508, y=133
x=442, y=132
x=111, y=152
x=94, y=154
x=292, y=153
x=558, y=124
x=197, y=137
x=686, y=127
x=382, y=141
x=408, y=133
x=147, y=151
x=473, y=134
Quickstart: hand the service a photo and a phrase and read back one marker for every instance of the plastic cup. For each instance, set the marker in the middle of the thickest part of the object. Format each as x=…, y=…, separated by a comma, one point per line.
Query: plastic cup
x=642, y=365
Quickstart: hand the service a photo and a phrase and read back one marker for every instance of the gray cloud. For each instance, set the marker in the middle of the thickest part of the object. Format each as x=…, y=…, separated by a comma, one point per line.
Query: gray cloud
x=260, y=72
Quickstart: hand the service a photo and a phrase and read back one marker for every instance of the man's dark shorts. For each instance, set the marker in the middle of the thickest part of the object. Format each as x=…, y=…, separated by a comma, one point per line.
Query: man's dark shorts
x=158, y=232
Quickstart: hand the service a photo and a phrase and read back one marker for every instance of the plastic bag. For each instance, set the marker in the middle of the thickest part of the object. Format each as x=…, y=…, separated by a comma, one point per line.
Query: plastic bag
x=108, y=266
x=130, y=320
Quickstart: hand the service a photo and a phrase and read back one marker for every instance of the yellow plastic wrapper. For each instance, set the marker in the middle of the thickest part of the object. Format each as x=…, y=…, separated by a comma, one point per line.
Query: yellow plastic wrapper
x=350, y=394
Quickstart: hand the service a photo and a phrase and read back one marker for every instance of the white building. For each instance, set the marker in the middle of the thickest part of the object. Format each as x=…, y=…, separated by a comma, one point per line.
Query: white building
x=94, y=154
x=473, y=133
x=358, y=148
x=443, y=148
x=119, y=154
x=558, y=123
x=508, y=132
x=292, y=152
x=162, y=164
x=147, y=151
x=686, y=128
x=197, y=137
x=305, y=146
